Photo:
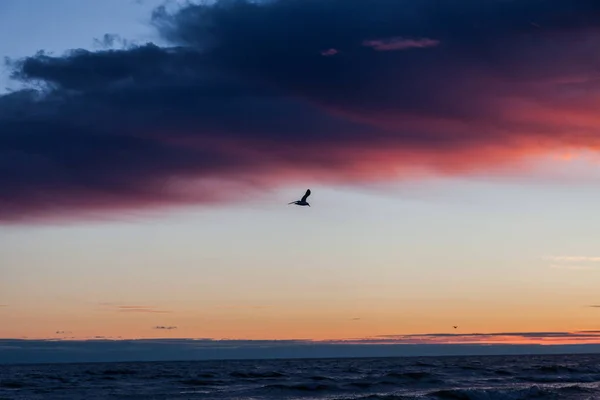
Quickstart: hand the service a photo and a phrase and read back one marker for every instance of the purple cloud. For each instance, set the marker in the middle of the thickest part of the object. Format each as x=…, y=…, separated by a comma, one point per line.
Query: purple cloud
x=243, y=100
x=399, y=43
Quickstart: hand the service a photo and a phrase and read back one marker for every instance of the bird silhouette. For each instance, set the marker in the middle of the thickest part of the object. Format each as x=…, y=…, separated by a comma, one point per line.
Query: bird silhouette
x=455, y=326
x=302, y=201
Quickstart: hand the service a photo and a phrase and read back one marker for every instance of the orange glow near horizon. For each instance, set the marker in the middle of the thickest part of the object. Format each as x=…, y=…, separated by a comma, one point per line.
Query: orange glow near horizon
x=305, y=323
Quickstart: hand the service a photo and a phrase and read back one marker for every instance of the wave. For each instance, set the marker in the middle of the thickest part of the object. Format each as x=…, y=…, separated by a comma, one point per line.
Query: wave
x=556, y=369
x=119, y=371
x=13, y=384
x=329, y=385
x=256, y=375
x=201, y=382
x=425, y=364
x=563, y=369
x=533, y=392
x=380, y=397
x=320, y=378
x=207, y=375
x=304, y=387
x=493, y=378
x=560, y=379
x=414, y=376
x=361, y=385
x=503, y=372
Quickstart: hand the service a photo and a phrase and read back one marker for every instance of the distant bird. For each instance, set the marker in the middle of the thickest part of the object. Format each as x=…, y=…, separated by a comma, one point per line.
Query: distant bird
x=455, y=326
x=302, y=201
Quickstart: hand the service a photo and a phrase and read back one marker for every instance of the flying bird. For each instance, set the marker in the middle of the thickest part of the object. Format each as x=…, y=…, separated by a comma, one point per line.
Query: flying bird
x=455, y=326
x=302, y=201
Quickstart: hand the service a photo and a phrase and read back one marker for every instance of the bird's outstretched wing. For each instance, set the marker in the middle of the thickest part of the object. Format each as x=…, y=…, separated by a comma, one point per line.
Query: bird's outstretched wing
x=306, y=195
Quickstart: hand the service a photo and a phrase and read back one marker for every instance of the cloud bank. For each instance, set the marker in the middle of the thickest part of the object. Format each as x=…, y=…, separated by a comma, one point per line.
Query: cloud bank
x=585, y=336
x=103, y=350
x=254, y=95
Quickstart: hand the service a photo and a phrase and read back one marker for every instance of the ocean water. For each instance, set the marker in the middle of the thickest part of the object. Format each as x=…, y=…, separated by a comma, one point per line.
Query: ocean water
x=469, y=378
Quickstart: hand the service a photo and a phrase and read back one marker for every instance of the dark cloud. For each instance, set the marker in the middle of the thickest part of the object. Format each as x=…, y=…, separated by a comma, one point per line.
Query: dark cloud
x=595, y=306
x=110, y=40
x=168, y=328
x=251, y=95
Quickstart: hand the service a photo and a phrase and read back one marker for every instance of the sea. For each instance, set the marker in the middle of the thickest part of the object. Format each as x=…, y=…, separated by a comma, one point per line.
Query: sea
x=468, y=378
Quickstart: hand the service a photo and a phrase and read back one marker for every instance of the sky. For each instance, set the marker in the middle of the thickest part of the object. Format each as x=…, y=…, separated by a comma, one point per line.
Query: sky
x=148, y=151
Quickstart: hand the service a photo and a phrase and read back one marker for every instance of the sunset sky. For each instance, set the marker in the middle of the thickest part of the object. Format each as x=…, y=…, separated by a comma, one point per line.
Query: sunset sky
x=147, y=157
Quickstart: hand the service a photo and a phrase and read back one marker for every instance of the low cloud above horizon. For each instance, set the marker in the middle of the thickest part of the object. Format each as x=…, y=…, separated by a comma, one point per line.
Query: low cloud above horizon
x=559, y=337
x=247, y=98
x=585, y=259
x=584, y=336
x=133, y=308
x=574, y=263
x=105, y=349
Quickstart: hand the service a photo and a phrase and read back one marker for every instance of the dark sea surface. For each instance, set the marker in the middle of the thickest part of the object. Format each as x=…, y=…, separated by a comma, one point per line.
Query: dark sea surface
x=469, y=378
